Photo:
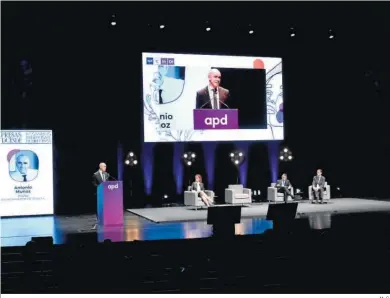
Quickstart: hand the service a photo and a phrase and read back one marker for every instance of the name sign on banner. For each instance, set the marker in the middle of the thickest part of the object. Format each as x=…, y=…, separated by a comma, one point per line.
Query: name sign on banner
x=215, y=119
x=26, y=172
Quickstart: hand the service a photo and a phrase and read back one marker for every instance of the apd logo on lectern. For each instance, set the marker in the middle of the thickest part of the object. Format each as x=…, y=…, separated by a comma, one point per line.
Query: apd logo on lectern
x=112, y=187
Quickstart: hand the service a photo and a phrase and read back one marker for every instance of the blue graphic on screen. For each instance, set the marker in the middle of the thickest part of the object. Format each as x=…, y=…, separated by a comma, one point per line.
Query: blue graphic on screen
x=23, y=165
x=169, y=81
x=149, y=60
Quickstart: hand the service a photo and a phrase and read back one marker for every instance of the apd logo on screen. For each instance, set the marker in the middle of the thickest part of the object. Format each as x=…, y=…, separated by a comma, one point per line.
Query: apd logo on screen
x=158, y=61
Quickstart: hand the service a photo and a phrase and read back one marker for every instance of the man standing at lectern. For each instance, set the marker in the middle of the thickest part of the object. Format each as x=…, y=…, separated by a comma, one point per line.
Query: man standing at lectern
x=213, y=96
x=101, y=175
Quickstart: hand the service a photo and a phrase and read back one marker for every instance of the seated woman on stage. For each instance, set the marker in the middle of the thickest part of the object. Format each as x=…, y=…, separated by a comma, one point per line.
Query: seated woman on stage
x=199, y=188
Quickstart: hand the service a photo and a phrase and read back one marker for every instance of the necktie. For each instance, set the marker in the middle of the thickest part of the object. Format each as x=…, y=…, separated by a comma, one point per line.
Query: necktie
x=160, y=101
x=215, y=99
x=283, y=182
x=24, y=178
x=103, y=178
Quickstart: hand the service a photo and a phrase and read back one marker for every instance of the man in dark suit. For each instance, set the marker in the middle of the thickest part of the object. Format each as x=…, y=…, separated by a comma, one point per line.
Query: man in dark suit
x=213, y=96
x=283, y=185
x=318, y=187
x=101, y=175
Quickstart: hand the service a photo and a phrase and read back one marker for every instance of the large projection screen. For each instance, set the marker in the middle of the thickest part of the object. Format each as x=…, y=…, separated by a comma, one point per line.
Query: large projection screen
x=177, y=99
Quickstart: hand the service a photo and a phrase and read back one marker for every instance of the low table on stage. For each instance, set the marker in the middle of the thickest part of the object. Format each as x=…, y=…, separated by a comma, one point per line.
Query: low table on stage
x=110, y=203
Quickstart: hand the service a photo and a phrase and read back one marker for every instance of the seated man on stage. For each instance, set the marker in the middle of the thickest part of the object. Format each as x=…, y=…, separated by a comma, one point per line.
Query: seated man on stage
x=318, y=187
x=199, y=188
x=284, y=186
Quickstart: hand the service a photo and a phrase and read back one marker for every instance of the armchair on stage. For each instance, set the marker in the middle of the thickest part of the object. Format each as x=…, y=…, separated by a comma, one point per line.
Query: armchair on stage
x=191, y=198
x=237, y=194
x=274, y=196
x=326, y=197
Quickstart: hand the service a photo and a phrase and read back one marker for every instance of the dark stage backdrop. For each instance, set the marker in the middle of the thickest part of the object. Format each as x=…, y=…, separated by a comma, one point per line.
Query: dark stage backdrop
x=87, y=89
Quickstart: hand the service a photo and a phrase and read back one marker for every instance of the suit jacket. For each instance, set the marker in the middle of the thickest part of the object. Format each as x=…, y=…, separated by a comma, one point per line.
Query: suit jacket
x=30, y=175
x=320, y=181
x=194, y=187
x=279, y=183
x=203, y=100
x=97, y=178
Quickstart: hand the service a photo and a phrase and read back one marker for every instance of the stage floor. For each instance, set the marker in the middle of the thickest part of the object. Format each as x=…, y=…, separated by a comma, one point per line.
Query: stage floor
x=345, y=205
x=18, y=231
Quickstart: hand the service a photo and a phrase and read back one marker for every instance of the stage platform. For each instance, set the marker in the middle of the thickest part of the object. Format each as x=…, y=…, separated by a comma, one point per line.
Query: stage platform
x=345, y=205
x=184, y=223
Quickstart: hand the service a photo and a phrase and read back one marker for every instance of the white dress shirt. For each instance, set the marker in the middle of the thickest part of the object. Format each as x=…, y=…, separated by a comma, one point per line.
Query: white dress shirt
x=197, y=186
x=318, y=181
x=101, y=175
x=211, y=93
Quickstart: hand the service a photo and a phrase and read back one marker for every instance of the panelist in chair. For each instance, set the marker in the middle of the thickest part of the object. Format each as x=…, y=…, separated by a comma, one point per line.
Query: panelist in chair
x=199, y=188
x=318, y=187
x=284, y=186
x=213, y=96
x=101, y=175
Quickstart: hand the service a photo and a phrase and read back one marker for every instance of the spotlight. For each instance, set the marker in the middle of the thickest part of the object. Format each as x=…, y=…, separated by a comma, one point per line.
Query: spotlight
x=162, y=26
x=292, y=32
x=189, y=158
x=165, y=196
x=237, y=157
x=251, y=31
x=331, y=35
x=208, y=29
x=113, y=21
x=131, y=159
x=286, y=155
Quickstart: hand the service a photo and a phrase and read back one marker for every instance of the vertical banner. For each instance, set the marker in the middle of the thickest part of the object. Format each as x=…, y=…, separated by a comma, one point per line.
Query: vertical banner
x=26, y=172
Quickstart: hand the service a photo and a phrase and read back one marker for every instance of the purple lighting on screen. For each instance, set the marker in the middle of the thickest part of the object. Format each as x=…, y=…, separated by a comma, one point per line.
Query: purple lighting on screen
x=178, y=169
x=273, y=150
x=243, y=170
x=120, y=161
x=147, y=165
x=209, y=157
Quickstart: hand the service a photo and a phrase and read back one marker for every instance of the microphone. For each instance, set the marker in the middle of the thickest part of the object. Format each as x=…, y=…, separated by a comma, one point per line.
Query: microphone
x=224, y=104
x=205, y=104
x=109, y=176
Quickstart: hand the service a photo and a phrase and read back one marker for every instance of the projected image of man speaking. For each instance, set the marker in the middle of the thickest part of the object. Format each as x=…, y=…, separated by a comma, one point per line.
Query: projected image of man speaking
x=213, y=96
x=24, y=171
